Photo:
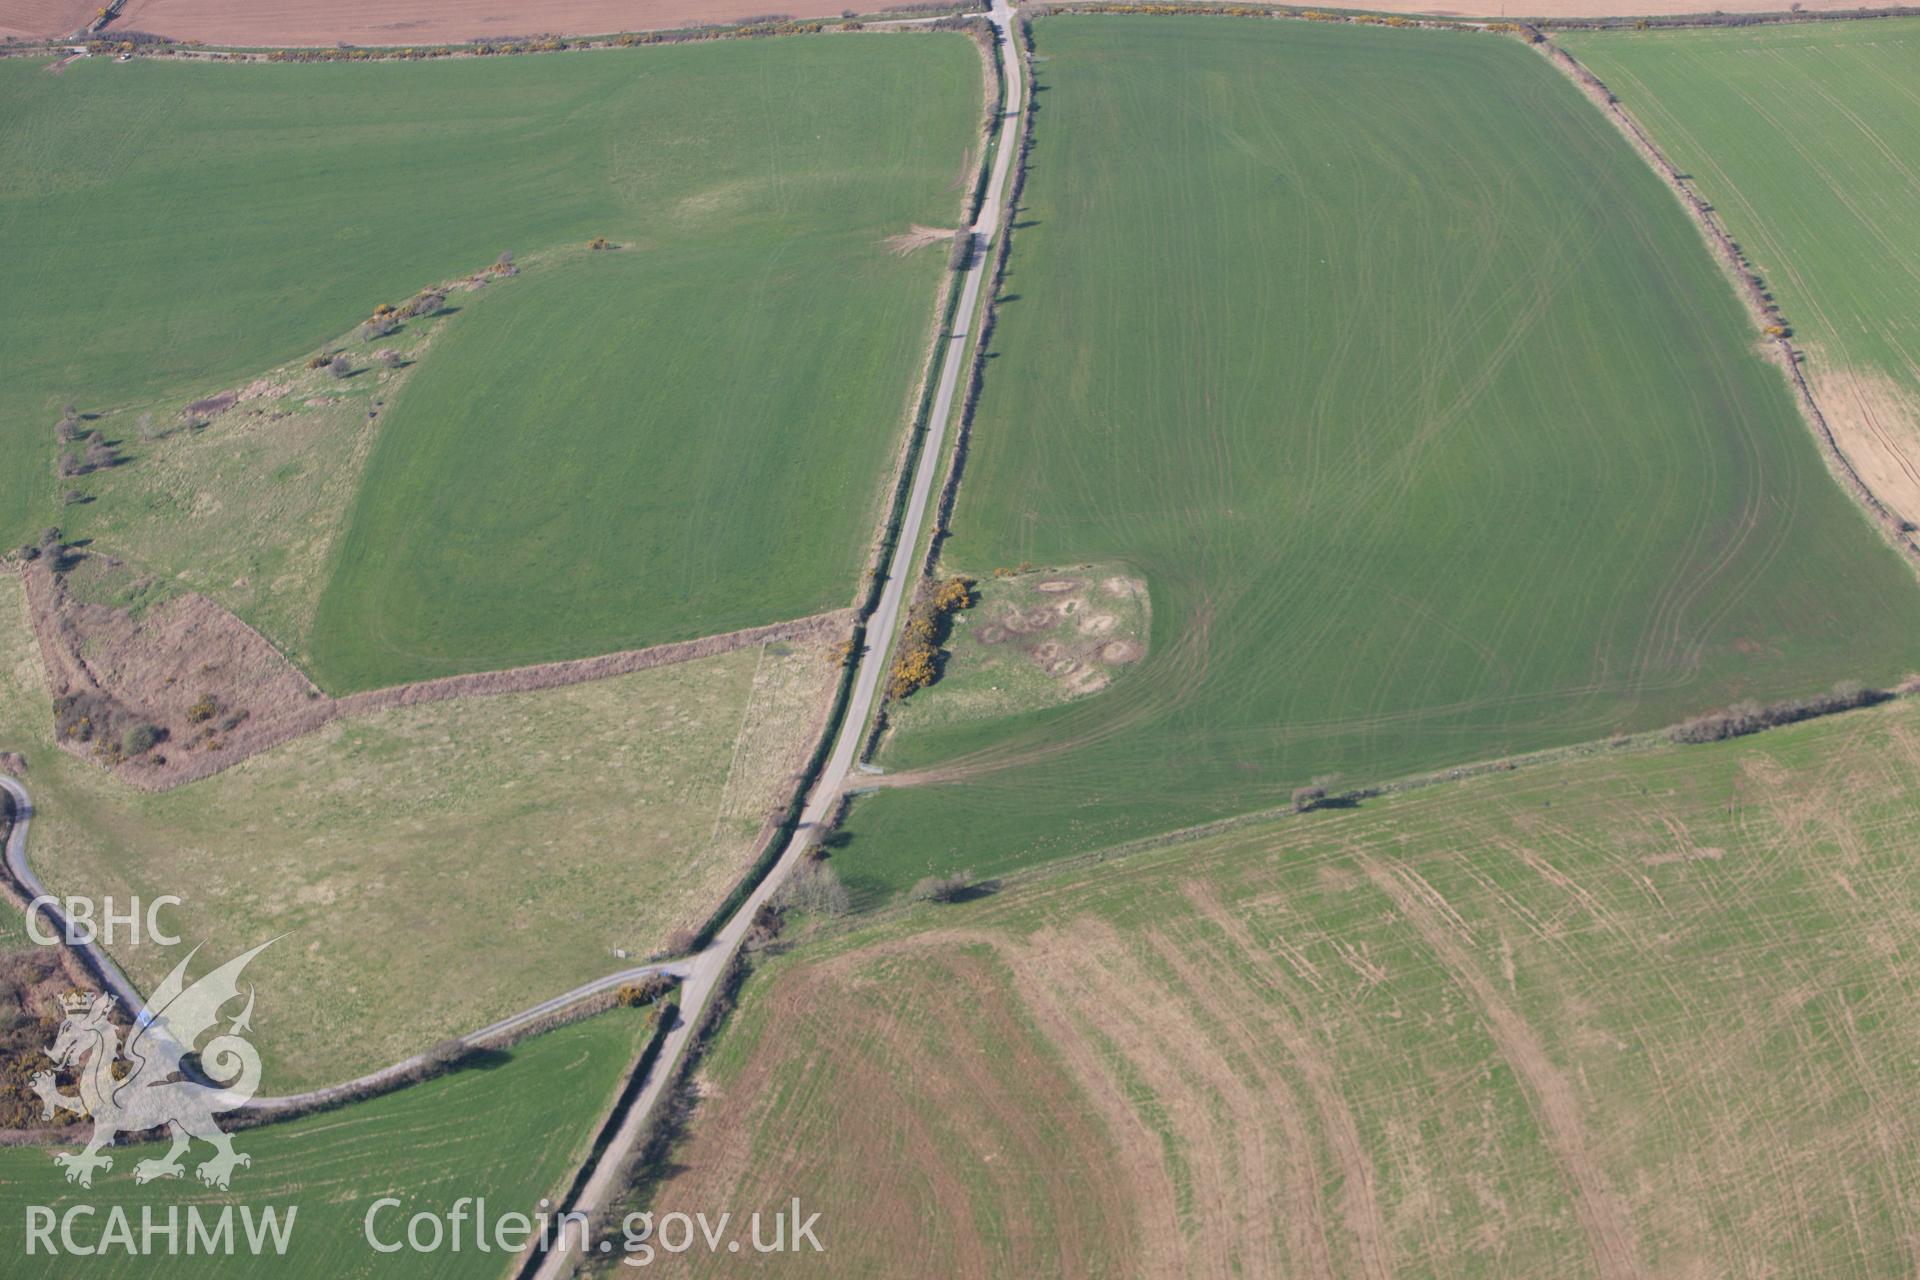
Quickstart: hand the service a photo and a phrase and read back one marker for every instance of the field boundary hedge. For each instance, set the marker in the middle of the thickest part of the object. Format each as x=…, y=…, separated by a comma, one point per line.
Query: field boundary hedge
x=1685, y=734
x=67, y=671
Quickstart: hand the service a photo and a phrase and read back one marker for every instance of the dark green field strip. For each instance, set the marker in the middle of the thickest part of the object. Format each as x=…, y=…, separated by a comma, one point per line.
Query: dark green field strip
x=511, y=1131
x=1425, y=414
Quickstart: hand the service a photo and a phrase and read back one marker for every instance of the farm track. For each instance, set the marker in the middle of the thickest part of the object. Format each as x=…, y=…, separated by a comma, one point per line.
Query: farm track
x=94, y=958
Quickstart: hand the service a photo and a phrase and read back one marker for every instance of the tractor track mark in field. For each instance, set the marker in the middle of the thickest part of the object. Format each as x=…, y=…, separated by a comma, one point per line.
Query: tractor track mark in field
x=1359, y=1207
x=894, y=1003
x=1119, y=1000
x=1550, y=1094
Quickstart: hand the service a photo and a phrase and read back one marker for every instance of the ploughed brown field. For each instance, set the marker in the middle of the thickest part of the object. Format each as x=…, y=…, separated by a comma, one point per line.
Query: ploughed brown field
x=382, y=22
x=378, y=22
x=32, y=19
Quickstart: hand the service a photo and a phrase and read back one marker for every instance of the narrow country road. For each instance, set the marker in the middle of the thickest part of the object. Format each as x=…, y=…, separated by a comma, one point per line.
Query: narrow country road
x=94, y=957
x=700, y=975
x=705, y=971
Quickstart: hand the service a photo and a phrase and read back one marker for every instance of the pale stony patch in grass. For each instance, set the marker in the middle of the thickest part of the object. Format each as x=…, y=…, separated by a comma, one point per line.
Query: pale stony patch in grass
x=1033, y=640
x=918, y=237
x=435, y=867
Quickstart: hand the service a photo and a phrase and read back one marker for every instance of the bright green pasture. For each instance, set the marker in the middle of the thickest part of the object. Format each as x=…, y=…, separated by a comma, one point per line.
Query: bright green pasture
x=689, y=434
x=511, y=1130
x=1803, y=137
x=1433, y=428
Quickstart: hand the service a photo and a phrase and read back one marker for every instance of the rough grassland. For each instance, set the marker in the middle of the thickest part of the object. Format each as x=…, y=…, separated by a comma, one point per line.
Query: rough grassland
x=1423, y=411
x=511, y=1131
x=247, y=507
x=1641, y=1014
x=1803, y=138
x=176, y=230
x=434, y=867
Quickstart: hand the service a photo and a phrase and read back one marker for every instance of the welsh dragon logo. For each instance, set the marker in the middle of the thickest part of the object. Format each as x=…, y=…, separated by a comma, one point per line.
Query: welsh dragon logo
x=155, y=1091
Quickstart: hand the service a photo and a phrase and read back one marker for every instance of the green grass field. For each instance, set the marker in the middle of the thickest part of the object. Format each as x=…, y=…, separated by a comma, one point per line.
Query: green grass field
x=568, y=472
x=512, y=1131
x=1429, y=421
x=1653, y=1007
x=434, y=867
x=1802, y=136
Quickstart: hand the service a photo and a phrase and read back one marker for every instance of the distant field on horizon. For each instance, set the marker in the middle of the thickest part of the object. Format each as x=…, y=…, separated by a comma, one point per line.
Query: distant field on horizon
x=565, y=473
x=383, y=22
x=1425, y=415
x=1645, y=1013
x=378, y=22
x=1803, y=139
x=511, y=1130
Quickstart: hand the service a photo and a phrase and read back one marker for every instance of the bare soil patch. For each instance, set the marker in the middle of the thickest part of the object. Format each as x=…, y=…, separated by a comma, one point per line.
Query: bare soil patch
x=1878, y=427
x=1610, y=8
x=215, y=691
x=917, y=237
x=38, y=19
x=378, y=22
